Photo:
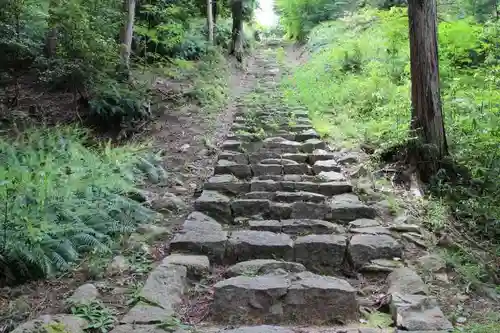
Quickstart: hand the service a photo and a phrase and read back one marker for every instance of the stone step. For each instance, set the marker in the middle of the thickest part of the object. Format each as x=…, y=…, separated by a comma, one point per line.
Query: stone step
x=266, y=203
x=275, y=144
x=259, y=156
x=297, y=298
x=318, y=245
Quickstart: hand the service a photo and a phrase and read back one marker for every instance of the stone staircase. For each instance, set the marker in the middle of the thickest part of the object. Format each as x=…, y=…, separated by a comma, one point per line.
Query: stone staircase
x=294, y=244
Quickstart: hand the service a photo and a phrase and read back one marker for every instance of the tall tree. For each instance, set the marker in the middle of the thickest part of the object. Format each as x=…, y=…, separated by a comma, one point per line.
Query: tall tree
x=210, y=21
x=427, y=119
x=237, y=30
x=127, y=32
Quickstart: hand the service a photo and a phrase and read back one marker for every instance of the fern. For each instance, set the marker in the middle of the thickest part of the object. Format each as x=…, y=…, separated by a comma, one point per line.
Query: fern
x=63, y=200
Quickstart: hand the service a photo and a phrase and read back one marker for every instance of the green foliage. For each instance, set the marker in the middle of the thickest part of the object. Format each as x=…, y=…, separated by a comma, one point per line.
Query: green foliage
x=100, y=318
x=356, y=85
x=300, y=16
x=62, y=199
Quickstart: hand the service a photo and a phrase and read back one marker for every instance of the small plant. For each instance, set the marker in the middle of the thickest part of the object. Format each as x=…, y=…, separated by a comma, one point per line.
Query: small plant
x=100, y=318
x=173, y=324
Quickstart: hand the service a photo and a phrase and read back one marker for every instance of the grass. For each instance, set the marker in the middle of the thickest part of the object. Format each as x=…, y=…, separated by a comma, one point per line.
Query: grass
x=63, y=198
x=356, y=85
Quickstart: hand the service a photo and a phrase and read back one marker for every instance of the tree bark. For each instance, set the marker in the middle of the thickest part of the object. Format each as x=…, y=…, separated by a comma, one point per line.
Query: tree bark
x=427, y=119
x=127, y=32
x=237, y=31
x=210, y=22
x=51, y=39
x=215, y=11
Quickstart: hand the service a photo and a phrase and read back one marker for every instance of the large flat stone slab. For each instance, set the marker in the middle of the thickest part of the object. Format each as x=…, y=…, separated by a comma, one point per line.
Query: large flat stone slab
x=163, y=292
x=309, y=226
x=233, y=168
x=215, y=205
x=227, y=184
x=250, y=207
x=348, y=207
x=418, y=313
x=263, y=267
x=248, y=244
x=364, y=248
x=308, y=210
x=321, y=253
x=301, y=298
x=211, y=243
x=406, y=281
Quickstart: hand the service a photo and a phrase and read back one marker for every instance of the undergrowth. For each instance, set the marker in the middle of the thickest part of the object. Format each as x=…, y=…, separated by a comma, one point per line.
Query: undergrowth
x=62, y=198
x=356, y=85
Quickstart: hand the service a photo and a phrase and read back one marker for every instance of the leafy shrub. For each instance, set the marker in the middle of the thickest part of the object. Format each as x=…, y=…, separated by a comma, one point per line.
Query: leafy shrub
x=366, y=97
x=61, y=199
x=114, y=103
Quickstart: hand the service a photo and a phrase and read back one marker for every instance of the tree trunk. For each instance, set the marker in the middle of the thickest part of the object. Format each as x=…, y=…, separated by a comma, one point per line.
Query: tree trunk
x=427, y=119
x=51, y=39
x=237, y=31
x=127, y=33
x=210, y=22
x=215, y=11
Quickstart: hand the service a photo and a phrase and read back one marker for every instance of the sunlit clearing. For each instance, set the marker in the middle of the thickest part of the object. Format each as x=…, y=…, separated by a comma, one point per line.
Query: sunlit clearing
x=265, y=13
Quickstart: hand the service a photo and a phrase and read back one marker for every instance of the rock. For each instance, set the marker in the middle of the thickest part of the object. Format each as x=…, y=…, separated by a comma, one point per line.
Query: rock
x=233, y=168
x=297, y=169
x=256, y=157
x=432, y=263
x=163, y=291
x=350, y=158
x=243, y=299
x=405, y=227
x=306, y=135
x=257, y=185
x=364, y=248
x=312, y=144
x=264, y=267
x=303, y=298
x=118, y=265
x=265, y=225
x=381, y=266
x=308, y=210
x=321, y=253
x=84, y=294
x=227, y=184
x=348, y=207
x=320, y=155
x=259, y=329
x=201, y=223
x=250, y=207
x=215, y=205
x=363, y=223
x=417, y=313
x=133, y=328
x=259, y=195
x=415, y=238
x=196, y=265
x=330, y=176
x=168, y=202
x=297, y=157
x=310, y=226
x=407, y=282
x=71, y=324
x=280, y=210
x=247, y=244
x=371, y=230
x=232, y=156
x=325, y=166
x=209, y=242
x=267, y=169
x=320, y=300
x=231, y=145
x=334, y=188
x=299, y=196
x=143, y=313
